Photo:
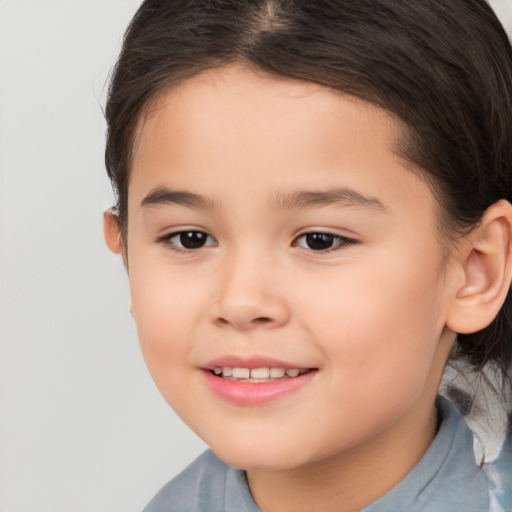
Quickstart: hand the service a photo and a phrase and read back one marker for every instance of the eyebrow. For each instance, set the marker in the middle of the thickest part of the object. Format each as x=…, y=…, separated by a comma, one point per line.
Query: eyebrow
x=343, y=196
x=161, y=196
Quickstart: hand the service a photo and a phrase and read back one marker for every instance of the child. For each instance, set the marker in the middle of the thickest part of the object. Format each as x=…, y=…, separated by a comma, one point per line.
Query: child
x=313, y=210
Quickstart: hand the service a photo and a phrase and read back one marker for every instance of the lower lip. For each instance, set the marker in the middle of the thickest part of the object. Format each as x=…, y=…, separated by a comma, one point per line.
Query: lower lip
x=255, y=393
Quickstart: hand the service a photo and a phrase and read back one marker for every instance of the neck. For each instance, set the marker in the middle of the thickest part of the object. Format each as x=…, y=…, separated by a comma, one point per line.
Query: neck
x=348, y=481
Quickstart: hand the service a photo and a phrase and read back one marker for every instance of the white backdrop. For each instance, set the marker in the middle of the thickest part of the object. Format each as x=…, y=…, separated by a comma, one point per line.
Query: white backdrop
x=82, y=428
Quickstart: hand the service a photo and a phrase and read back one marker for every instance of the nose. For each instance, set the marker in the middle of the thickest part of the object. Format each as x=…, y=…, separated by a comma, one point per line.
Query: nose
x=250, y=295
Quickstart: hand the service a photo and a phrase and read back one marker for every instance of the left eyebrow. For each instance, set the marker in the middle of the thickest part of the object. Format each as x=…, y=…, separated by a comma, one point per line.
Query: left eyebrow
x=343, y=196
x=160, y=196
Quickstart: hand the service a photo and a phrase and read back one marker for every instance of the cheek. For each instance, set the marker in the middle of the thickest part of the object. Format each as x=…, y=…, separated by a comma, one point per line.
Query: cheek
x=165, y=308
x=378, y=324
x=164, y=316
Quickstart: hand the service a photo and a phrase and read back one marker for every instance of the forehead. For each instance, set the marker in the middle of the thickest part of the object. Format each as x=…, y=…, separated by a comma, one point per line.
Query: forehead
x=239, y=125
x=244, y=101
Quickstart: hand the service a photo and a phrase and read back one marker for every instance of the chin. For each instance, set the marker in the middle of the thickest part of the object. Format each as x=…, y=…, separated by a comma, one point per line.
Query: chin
x=254, y=456
x=257, y=461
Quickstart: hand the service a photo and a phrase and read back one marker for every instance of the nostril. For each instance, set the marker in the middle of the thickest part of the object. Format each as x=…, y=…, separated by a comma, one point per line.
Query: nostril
x=262, y=320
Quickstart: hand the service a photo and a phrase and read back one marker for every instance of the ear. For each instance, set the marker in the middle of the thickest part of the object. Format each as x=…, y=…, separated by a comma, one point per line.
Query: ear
x=486, y=263
x=112, y=232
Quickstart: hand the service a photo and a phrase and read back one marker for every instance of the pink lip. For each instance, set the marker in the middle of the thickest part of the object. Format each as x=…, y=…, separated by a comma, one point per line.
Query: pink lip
x=250, y=362
x=255, y=393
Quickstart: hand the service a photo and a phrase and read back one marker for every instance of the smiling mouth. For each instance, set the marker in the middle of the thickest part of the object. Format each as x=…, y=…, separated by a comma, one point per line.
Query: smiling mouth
x=258, y=375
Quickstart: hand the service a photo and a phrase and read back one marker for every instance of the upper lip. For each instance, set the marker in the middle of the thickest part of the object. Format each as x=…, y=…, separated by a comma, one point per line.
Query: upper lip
x=251, y=362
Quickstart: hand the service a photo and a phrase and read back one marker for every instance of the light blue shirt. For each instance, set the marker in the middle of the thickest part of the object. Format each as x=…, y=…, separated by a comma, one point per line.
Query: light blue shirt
x=447, y=479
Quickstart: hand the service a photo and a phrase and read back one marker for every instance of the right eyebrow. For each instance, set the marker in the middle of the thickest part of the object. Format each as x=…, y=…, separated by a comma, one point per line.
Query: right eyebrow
x=160, y=196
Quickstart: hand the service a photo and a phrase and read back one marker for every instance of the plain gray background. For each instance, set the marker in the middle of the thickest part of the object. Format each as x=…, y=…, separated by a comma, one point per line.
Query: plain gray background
x=82, y=427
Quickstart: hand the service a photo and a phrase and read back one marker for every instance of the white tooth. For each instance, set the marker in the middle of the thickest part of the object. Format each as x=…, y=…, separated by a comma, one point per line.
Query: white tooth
x=292, y=372
x=260, y=373
x=276, y=373
x=227, y=371
x=217, y=371
x=241, y=373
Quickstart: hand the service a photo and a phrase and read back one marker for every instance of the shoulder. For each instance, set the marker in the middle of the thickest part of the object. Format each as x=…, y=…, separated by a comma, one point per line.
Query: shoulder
x=500, y=474
x=447, y=478
x=202, y=484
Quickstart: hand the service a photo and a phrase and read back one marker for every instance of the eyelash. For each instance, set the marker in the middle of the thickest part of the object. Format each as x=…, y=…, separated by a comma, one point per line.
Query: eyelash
x=166, y=240
x=340, y=241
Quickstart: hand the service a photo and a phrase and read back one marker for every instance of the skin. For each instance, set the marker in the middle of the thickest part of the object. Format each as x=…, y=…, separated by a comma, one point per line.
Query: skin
x=375, y=314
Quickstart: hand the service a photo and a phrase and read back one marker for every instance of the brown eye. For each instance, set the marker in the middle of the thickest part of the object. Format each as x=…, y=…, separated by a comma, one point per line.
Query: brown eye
x=190, y=239
x=322, y=241
x=319, y=241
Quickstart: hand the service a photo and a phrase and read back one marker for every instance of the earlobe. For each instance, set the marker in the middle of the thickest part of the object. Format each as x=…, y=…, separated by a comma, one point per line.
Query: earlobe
x=487, y=268
x=112, y=232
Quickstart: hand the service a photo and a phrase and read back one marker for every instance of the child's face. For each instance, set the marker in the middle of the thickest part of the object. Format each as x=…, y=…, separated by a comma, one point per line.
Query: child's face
x=308, y=245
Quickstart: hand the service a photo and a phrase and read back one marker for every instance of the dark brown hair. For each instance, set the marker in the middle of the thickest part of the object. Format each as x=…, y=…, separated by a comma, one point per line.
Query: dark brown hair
x=442, y=67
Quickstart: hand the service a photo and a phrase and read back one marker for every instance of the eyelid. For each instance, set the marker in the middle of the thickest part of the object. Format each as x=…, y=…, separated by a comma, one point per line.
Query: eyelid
x=346, y=241
x=342, y=241
x=166, y=240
